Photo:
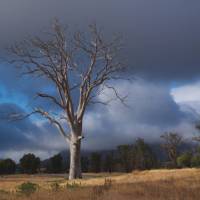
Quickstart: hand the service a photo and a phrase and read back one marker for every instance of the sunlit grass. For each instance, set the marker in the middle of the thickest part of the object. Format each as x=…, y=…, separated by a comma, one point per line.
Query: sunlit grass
x=145, y=185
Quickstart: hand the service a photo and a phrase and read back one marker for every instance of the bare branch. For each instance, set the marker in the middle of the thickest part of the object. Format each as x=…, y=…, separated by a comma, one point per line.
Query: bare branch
x=118, y=96
x=171, y=143
x=89, y=60
x=52, y=98
x=45, y=114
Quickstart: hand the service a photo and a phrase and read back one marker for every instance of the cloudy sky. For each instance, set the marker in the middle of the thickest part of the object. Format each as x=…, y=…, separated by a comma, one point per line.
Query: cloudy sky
x=162, y=50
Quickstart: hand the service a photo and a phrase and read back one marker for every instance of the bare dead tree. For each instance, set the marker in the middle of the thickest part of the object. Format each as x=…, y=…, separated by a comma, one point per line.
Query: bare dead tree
x=171, y=144
x=80, y=64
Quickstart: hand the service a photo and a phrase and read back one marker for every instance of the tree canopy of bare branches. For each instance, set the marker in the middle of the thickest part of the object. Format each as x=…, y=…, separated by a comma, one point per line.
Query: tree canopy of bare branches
x=80, y=64
x=171, y=143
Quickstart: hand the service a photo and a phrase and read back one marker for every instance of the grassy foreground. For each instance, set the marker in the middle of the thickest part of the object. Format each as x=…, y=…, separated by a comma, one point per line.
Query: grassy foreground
x=182, y=184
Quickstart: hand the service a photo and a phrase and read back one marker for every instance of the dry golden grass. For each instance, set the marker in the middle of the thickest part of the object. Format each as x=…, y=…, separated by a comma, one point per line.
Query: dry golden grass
x=9, y=183
x=182, y=184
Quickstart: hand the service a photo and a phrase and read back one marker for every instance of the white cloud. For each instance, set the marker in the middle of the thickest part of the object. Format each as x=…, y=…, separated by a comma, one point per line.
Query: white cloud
x=188, y=96
x=187, y=93
x=152, y=112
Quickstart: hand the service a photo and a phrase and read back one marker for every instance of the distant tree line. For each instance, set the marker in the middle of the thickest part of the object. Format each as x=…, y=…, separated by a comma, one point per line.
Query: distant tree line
x=125, y=158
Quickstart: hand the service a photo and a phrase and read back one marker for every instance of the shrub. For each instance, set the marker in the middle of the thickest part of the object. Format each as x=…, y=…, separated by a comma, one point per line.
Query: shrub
x=184, y=160
x=107, y=184
x=195, y=161
x=3, y=192
x=27, y=188
x=56, y=164
x=101, y=189
x=55, y=186
x=73, y=185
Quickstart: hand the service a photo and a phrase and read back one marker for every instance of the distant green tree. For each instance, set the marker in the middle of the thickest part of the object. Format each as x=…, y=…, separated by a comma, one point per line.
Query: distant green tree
x=184, y=160
x=195, y=161
x=29, y=163
x=125, y=157
x=56, y=164
x=109, y=162
x=197, y=138
x=143, y=157
x=7, y=166
x=85, y=163
x=95, y=162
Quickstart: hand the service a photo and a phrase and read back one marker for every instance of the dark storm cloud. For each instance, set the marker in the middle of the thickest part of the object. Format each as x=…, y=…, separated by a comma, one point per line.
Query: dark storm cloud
x=162, y=44
x=162, y=37
x=152, y=111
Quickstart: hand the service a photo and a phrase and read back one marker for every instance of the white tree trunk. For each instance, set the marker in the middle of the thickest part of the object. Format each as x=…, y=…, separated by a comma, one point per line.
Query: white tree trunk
x=75, y=158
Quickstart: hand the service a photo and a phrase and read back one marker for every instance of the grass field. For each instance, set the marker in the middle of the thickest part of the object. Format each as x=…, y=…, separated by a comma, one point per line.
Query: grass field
x=182, y=184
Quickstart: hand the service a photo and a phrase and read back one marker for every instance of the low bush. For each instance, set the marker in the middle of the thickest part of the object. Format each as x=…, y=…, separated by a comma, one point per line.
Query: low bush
x=27, y=188
x=195, y=161
x=55, y=186
x=73, y=185
x=184, y=160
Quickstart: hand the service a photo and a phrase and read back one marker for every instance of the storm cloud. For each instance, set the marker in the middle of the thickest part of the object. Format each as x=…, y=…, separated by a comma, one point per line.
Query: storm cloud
x=151, y=112
x=27, y=135
x=161, y=49
x=161, y=37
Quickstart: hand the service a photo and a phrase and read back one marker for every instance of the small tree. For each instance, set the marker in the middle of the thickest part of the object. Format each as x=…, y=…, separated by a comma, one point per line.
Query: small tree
x=95, y=162
x=172, y=142
x=125, y=157
x=56, y=164
x=29, y=163
x=109, y=162
x=7, y=166
x=197, y=138
x=85, y=163
x=143, y=157
x=80, y=67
